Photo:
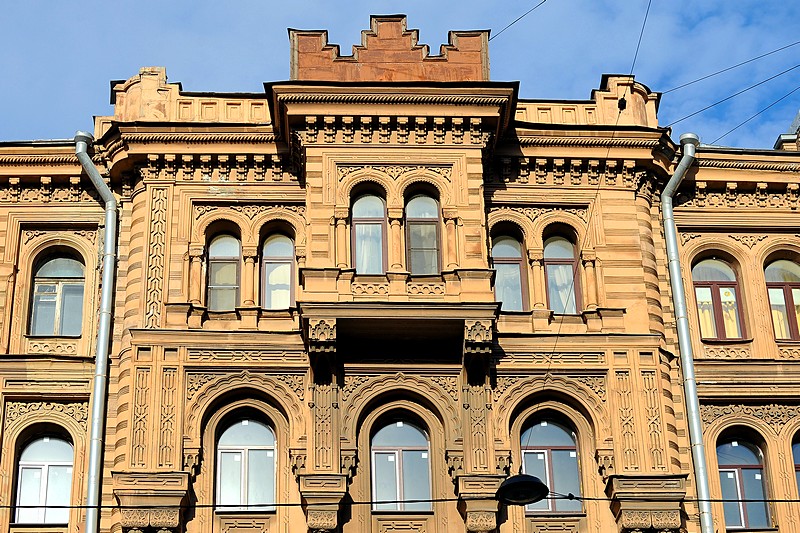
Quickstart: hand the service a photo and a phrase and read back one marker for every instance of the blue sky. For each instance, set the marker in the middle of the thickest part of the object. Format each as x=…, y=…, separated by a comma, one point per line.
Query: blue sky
x=58, y=57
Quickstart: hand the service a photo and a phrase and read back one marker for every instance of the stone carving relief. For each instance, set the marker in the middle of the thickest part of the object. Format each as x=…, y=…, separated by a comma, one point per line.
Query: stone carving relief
x=554, y=358
x=481, y=521
x=535, y=212
x=194, y=382
x=370, y=289
x=627, y=423
x=404, y=526
x=242, y=355
x=748, y=240
x=732, y=197
x=78, y=411
x=425, y=289
x=166, y=436
x=296, y=382
x=321, y=521
x=141, y=416
x=775, y=415
x=597, y=384
x=652, y=395
x=53, y=347
x=156, y=257
x=726, y=352
x=395, y=172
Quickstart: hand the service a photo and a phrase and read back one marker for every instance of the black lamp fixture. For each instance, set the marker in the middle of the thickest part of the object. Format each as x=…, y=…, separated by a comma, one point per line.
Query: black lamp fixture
x=521, y=489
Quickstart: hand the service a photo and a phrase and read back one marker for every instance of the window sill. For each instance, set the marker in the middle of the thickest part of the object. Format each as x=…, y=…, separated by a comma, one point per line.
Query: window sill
x=51, y=337
x=718, y=342
x=404, y=514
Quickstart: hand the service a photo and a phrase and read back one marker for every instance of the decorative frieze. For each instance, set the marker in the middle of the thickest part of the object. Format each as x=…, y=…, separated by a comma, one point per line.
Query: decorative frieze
x=78, y=411
x=251, y=211
x=156, y=257
x=778, y=196
x=535, y=212
x=775, y=415
x=394, y=172
x=572, y=172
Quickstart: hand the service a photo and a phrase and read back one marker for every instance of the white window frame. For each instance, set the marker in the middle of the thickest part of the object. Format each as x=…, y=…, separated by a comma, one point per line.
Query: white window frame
x=44, y=468
x=397, y=451
x=244, y=454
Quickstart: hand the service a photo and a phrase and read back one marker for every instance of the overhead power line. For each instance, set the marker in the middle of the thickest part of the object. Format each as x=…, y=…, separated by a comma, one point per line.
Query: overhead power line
x=641, y=34
x=732, y=96
x=731, y=67
x=784, y=97
x=528, y=12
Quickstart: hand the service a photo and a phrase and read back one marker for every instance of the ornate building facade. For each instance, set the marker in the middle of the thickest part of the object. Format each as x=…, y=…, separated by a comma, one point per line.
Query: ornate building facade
x=362, y=298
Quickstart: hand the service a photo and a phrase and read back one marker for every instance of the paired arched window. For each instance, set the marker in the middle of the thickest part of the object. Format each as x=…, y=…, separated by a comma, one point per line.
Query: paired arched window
x=224, y=252
x=717, y=294
x=57, y=297
x=246, y=467
x=549, y=452
x=400, y=467
x=741, y=475
x=422, y=236
x=783, y=288
x=369, y=234
x=509, y=265
x=44, y=481
x=561, y=280
x=277, y=258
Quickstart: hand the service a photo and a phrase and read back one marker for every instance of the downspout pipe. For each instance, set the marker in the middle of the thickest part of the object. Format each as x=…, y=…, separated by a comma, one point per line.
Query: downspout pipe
x=689, y=144
x=100, y=384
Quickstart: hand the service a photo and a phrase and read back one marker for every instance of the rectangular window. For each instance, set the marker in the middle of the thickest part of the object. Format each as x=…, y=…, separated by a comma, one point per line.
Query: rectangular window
x=277, y=294
x=561, y=289
x=369, y=248
x=260, y=479
x=705, y=308
x=508, y=286
x=385, y=481
x=30, y=494
x=730, y=313
x=535, y=464
x=59, y=480
x=415, y=471
x=730, y=491
x=564, y=462
x=230, y=479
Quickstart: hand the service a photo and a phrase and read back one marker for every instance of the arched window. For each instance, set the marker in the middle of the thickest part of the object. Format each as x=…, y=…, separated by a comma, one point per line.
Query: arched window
x=277, y=258
x=796, y=456
x=549, y=453
x=223, y=273
x=44, y=481
x=246, y=467
x=560, y=270
x=368, y=241
x=400, y=467
x=509, y=266
x=741, y=475
x=422, y=235
x=783, y=288
x=717, y=293
x=57, y=297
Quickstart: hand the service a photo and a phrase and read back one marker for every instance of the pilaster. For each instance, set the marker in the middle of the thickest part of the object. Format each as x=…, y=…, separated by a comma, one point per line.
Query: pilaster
x=647, y=502
x=151, y=501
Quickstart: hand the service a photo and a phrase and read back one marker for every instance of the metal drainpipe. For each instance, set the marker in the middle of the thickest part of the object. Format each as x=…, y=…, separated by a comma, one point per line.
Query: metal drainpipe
x=100, y=383
x=689, y=144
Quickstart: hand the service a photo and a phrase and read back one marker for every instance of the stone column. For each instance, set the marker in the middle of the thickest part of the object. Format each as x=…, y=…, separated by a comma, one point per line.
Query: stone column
x=196, y=252
x=450, y=258
x=340, y=239
x=250, y=254
x=537, y=279
x=395, y=244
x=588, y=259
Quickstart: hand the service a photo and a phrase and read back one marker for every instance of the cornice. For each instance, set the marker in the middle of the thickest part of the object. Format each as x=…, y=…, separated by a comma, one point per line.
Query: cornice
x=748, y=165
x=588, y=142
x=393, y=98
x=25, y=159
x=197, y=138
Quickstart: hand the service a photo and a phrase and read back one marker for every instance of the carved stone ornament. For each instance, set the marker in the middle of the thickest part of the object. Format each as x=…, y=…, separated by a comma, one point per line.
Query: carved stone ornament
x=322, y=335
x=481, y=521
x=78, y=410
x=320, y=521
x=395, y=171
x=773, y=414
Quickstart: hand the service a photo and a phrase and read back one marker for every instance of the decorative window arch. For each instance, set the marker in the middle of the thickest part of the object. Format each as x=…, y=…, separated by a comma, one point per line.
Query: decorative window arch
x=561, y=275
x=399, y=452
x=44, y=481
x=741, y=475
x=246, y=466
x=368, y=236
x=783, y=290
x=278, y=272
x=422, y=235
x=224, y=258
x=57, y=301
x=549, y=451
x=508, y=261
x=716, y=290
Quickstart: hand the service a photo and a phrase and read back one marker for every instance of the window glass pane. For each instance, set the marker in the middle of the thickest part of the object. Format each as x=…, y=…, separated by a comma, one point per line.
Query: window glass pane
x=422, y=207
x=730, y=491
x=712, y=270
x=400, y=434
x=71, y=309
x=368, y=207
x=737, y=453
x=222, y=299
x=506, y=247
x=30, y=490
x=547, y=433
x=705, y=312
x=260, y=478
x=796, y=303
x=369, y=248
x=796, y=453
x=47, y=449
x=561, y=289
x=783, y=271
x=385, y=489
x=224, y=246
x=43, y=319
x=60, y=267
x=565, y=479
x=416, y=480
x=558, y=248
x=534, y=464
x=247, y=433
x=277, y=291
x=222, y=273
x=508, y=286
x=730, y=313
x=780, y=320
x=230, y=478
x=278, y=246
x=757, y=513
x=424, y=262
x=59, y=481
x=421, y=236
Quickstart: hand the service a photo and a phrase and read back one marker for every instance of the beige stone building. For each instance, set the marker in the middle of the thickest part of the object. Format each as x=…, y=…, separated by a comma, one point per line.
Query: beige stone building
x=362, y=298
